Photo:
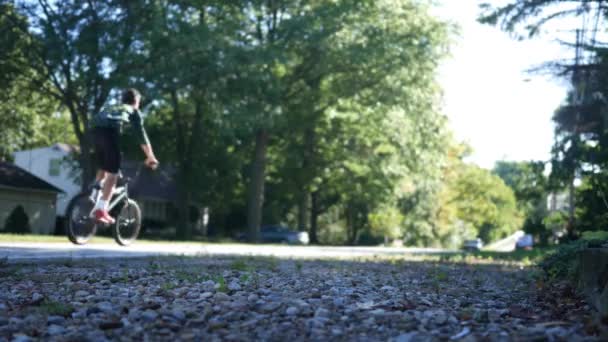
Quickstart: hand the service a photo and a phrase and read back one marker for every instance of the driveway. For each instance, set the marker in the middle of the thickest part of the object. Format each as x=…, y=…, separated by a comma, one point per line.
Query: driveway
x=44, y=251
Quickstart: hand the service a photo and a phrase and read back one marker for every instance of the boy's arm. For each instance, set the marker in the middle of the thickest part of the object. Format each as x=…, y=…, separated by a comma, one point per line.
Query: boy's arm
x=140, y=132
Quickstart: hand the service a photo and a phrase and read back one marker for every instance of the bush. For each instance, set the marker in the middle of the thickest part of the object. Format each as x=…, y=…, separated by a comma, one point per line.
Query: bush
x=18, y=222
x=563, y=262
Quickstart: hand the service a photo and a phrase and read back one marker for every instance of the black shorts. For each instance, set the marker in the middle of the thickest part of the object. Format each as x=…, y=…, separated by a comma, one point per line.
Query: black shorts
x=107, y=150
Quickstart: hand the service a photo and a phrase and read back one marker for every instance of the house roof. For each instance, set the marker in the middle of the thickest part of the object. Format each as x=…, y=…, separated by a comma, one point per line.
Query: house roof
x=145, y=183
x=67, y=148
x=16, y=177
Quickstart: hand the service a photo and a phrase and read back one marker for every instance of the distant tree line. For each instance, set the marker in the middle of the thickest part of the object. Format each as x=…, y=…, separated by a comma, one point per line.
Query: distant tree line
x=323, y=115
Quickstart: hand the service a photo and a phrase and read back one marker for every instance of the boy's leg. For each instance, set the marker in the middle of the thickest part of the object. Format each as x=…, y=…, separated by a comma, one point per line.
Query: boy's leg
x=96, y=191
x=101, y=174
x=108, y=186
x=102, y=203
x=109, y=155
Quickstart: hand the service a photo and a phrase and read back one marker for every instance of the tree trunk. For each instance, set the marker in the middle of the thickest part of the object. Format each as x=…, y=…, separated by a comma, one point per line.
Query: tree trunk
x=87, y=164
x=184, y=229
x=571, y=211
x=303, y=199
x=256, y=186
x=349, y=226
x=314, y=215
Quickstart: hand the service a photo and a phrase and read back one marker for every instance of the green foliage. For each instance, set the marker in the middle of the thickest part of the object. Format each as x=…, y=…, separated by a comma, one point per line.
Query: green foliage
x=239, y=265
x=54, y=308
x=323, y=113
x=531, y=189
x=386, y=221
x=17, y=221
x=473, y=202
x=580, y=149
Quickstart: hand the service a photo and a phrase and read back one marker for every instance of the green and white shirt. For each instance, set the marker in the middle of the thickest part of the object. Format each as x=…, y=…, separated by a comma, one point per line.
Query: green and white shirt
x=117, y=116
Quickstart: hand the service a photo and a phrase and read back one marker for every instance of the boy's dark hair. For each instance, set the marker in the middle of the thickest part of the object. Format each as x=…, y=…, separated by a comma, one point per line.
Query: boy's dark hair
x=129, y=96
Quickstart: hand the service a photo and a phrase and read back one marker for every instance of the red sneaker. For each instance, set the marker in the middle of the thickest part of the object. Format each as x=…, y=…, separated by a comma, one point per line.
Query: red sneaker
x=103, y=216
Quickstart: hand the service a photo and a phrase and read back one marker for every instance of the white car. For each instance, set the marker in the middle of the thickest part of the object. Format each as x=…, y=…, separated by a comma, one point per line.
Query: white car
x=525, y=242
x=472, y=245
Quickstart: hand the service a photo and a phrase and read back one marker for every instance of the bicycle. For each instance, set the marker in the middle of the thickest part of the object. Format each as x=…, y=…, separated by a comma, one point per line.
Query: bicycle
x=81, y=227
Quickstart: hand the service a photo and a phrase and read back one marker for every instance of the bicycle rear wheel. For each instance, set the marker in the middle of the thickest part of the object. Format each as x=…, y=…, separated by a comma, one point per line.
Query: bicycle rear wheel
x=80, y=227
x=128, y=223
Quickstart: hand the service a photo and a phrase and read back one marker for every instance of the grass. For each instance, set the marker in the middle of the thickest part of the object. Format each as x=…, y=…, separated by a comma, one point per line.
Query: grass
x=526, y=258
x=95, y=240
x=56, y=308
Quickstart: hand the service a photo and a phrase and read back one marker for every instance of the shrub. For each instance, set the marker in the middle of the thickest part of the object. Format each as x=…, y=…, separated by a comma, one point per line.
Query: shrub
x=563, y=262
x=18, y=222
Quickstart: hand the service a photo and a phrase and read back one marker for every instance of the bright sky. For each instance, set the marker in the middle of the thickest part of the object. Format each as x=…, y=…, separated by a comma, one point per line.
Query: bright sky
x=502, y=111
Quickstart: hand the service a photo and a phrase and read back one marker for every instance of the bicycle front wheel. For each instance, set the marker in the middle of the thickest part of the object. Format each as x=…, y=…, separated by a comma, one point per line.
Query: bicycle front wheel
x=128, y=223
x=80, y=226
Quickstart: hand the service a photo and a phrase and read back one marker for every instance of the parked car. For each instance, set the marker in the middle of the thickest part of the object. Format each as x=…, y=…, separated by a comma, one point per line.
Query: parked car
x=279, y=234
x=474, y=245
x=525, y=242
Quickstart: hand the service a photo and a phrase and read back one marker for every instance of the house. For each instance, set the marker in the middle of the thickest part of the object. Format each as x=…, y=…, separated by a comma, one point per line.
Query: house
x=21, y=188
x=155, y=191
x=52, y=165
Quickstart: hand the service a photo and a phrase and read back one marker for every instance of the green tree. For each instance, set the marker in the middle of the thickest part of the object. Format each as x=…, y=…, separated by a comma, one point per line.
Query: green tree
x=28, y=118
x=531, y=188
x=474, y=202
x=80, y=51
x=580, y=135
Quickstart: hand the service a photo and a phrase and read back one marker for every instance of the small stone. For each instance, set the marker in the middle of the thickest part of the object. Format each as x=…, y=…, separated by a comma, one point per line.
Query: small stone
x=149, y=315
x=234, y=286
x=54, y=330
x=494, y=315
x=253, y=297
x=221, y=297
x=21, y=338
x=339, y=301
x=440, y=317
x=408, y=337
x=55, y=320
x=125, y=321
x=208, y=286
x=215, y=324
x=481, y=316
x=110, y=325
x=37, y=298
x=93, y=310
x=388, y=288
x=178, y=314
x=240, y=305
x=15, y=321
x=377, y=312
x=269, y=307
x=3, y=321
x=79, y=314
x=206, y=295
x=322, y=312
x=105, y=307
x=291, y=311
x=316, y=322
x=81, y=293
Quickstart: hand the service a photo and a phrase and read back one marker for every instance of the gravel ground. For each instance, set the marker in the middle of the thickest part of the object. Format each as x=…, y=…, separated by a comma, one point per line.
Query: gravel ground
x=269, y=299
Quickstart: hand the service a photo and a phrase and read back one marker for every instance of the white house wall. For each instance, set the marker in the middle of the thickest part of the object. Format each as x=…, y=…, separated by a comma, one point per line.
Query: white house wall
x=37, y=162
x=39, y=207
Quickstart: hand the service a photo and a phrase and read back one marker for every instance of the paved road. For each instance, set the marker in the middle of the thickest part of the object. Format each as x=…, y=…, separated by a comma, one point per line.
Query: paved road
x=49, y=251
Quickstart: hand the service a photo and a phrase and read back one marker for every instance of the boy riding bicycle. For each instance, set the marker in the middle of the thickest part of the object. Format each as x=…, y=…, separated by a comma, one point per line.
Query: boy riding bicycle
x=107, y=127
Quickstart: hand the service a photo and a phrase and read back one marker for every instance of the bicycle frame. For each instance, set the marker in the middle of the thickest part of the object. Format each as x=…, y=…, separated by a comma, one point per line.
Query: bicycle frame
x=123, y=194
